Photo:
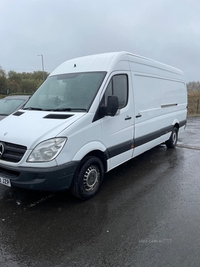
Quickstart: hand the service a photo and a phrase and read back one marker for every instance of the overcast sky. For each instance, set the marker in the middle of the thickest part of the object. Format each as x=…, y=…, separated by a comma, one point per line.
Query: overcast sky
x=163, y=30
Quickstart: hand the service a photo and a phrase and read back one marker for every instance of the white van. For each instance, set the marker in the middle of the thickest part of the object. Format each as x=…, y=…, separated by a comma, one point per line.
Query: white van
x=91, y=115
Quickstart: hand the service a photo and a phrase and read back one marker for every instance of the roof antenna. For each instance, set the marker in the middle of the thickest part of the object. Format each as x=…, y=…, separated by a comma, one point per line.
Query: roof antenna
x=74, y=65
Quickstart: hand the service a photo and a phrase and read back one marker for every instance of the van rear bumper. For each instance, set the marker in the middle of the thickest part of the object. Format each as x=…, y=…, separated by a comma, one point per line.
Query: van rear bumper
x=42, y=179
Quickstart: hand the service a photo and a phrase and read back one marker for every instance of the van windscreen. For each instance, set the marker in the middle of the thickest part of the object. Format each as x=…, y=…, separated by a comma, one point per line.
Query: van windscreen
x=71, y=91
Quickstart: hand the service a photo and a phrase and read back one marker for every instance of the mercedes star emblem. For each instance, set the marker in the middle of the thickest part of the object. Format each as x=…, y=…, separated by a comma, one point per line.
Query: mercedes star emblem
x=1, y=149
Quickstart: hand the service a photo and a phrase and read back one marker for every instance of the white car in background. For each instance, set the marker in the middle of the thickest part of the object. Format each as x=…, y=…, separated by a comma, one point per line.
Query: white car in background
x=9, y=104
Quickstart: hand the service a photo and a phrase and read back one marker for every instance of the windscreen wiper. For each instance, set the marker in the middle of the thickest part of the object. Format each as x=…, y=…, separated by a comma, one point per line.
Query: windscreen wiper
x=60, y=109
x=32, y=108
x=67, y=109
x=57, y=109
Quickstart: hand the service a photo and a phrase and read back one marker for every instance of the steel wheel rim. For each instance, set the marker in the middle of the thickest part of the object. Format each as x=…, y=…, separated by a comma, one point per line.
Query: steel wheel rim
x=91, y=178
x=174, y=138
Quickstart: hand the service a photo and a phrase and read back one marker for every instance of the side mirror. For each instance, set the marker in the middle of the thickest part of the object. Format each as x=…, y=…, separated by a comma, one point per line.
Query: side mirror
x=112, y=105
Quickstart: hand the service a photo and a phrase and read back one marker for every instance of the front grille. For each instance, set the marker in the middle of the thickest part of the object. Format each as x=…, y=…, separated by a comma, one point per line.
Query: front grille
x=12, y=152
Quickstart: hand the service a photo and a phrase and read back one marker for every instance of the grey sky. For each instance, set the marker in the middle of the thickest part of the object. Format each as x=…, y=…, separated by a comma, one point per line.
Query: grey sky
x=164, y=30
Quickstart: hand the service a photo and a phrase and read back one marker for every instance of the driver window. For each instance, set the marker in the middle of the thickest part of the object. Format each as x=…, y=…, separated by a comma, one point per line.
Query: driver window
x=117, y=86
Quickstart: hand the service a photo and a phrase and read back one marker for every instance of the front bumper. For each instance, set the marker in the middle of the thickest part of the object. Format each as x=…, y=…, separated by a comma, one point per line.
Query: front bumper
x=43, y=179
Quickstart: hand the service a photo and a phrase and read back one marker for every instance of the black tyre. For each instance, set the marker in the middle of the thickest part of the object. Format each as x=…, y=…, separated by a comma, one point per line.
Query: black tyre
x=87, y=180
x=171, y=143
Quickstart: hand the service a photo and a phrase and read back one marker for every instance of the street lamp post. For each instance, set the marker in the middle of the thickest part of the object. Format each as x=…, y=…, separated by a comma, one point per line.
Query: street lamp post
x=42, y=65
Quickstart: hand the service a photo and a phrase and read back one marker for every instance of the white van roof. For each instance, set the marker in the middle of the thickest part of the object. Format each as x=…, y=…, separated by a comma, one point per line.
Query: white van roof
x=111, y=62
x=98, y=62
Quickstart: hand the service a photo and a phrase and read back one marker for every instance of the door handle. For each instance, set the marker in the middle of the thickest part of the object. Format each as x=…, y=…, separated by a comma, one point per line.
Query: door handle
x=128, y=118
x=138, y=115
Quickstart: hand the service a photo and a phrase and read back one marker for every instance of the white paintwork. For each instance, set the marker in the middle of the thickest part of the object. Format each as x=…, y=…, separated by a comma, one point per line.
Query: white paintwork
x=151, y=86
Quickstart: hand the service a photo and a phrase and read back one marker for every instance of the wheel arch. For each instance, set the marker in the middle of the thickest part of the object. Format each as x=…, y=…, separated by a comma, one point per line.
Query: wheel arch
x=95, y=149
x=171, y=142
x=176, y=124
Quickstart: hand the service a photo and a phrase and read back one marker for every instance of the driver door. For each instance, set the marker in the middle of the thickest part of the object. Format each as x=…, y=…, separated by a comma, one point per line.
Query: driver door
x=117, y=131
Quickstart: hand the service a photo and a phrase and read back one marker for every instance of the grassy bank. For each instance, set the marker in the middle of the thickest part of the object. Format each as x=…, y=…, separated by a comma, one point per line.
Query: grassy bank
x=193, y=103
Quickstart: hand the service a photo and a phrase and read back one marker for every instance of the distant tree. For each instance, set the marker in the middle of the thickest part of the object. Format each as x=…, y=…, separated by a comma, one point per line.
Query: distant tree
x=25, y=82
x=14, y=82
x=193, y=86
x=3, y=81
x=12, y=87
x=29, y=86
x=13, y=75
x=2, y=72
x=38, y=75
x=21, y=83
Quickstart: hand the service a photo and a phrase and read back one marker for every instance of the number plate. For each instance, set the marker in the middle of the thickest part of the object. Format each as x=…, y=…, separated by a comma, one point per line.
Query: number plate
x=5, y=181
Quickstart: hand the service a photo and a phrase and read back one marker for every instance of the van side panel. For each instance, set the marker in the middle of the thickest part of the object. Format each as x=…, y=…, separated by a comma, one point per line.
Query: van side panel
x=150, y=67
x=160, y=101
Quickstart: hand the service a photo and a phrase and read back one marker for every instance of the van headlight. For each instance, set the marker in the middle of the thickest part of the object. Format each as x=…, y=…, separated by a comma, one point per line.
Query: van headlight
x=47, y=150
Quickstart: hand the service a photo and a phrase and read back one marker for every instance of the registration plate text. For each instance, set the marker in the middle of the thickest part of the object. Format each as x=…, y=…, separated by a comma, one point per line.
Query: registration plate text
x=5, y=181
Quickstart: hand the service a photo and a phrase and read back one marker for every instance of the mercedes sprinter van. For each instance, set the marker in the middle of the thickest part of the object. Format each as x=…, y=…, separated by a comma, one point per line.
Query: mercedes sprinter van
x=90, y=115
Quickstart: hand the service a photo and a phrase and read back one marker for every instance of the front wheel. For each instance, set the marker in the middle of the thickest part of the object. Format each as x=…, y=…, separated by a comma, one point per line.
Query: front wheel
x=171, y=143
x=87, y=180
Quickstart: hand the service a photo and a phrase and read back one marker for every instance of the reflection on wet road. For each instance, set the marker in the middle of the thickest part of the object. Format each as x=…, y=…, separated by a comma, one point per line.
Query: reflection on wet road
x=146, y=214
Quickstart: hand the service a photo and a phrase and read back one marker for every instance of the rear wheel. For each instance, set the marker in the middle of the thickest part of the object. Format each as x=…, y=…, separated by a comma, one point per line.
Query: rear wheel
x=87, y=180
x=171, y=143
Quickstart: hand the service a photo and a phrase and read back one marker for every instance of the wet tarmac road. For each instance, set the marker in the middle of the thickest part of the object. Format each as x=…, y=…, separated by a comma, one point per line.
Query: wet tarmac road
x=146, y=214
